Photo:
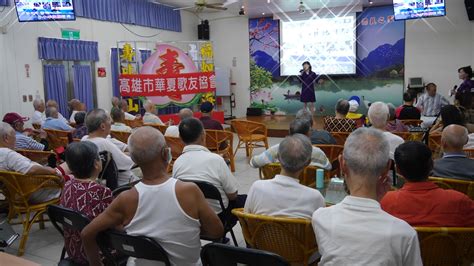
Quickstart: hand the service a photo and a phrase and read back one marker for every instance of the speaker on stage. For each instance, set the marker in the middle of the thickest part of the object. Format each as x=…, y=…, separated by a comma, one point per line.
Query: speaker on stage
x=469, y=8
x=203, y=30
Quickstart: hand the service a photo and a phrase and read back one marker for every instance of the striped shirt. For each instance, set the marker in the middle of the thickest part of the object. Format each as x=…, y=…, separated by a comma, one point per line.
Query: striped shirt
x=431, y=106
x=318, y=158
x=26, y=143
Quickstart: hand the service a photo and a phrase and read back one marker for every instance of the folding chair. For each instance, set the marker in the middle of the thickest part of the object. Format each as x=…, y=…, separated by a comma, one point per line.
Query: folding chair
x=215, y=254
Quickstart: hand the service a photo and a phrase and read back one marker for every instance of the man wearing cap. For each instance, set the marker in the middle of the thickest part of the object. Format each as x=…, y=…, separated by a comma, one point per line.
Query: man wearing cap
x=206, y=119
x=354, y=103
x=23, y=141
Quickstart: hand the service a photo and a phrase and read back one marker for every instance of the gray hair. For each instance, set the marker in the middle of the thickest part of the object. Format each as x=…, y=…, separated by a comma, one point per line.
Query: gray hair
x=294, y=153
x=5, y=130
x=148, y=105
x=51, y=111
x=455, y=136
x=366, y=152
x=185, y=113
x=391, y=111
x=146, y=145
x=306, y=115
x=342, y=106
x=95, y=118
x=378, y=114
x=37, y=103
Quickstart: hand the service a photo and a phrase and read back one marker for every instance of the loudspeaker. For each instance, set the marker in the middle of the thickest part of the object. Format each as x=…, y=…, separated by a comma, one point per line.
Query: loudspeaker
x=203, y=31
x=469, y=8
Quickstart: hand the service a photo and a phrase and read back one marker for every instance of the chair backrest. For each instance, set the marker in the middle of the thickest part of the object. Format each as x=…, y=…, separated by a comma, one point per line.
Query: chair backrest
x=469, y=153
x=161, y=128
x=404, y=135
x=411, y=122
x=340, y=137
x=209, y=191
x=68, y=218
x=463, y=186
x=56, y=138
x=291, y=238
x=434, y=143
x=36, y=126
x=110, y=171
x=446, y=245
x=245, y=128
x=41, y=157
x=176, y=145
x=216, y=254
x=331, y=151
x=141, y=247
x=215, y=138
x=269, y=171
x=19, y=187
x=307, y=177
x=120, y=135
x=134, y=123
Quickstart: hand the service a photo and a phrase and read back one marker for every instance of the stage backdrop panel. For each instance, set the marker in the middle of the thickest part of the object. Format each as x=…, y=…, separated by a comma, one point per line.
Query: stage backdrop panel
x=380, y=66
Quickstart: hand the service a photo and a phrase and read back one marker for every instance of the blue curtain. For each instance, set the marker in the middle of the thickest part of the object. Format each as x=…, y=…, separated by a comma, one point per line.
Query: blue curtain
x=83, y=85
x=144, y=54
x=68, y=50
x=4, y=2
x=114, y=54
x=136, y=12
x=55, y=79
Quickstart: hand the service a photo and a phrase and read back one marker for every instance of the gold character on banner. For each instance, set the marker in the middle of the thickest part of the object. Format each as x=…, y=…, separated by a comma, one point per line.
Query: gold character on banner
x=127, y=53
x=205, y=67
x=128, y=69
x=206, y=51
x=132, y=107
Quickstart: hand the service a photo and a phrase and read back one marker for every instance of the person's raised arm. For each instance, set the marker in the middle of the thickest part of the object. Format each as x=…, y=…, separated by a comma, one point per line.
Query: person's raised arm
x=41, y=170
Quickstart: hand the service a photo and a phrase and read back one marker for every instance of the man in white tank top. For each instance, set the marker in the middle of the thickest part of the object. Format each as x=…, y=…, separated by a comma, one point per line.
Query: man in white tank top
x=172, y=212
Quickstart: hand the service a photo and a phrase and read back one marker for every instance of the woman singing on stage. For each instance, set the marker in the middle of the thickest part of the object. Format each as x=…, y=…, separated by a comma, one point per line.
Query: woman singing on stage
x=308, y=79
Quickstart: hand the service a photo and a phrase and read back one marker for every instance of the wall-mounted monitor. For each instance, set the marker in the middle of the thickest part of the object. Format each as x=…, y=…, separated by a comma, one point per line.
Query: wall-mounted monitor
x=413, y=9
x=45, y=10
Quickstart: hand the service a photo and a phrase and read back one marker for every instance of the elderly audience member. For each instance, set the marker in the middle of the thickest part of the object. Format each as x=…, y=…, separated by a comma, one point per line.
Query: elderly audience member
x=12, y=161
x=38, y=116
x=430, y=104
x=198, y=163
x=54, y=122
x=393, y=124
x=357, y=230
x=421, y=202
x=284, y=195
x=82, y=193
x=173, y=131
x=360, y=119
x=81, y=129
x=340, y=123
x=75, y=106
x=53, y=103
x=123, y=104
x=378, y=116
x=23, y=139
x=150, y=116
x=118, y=117
x=454, y=163
x=172, y=212
x=317, y=136
x=206, y=119
x=98, y=124
x=407, y=110
x=298, y=126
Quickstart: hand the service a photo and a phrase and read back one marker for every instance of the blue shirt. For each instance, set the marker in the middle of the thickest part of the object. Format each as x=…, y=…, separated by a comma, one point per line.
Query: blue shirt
x=26, y=143
x=56, y=124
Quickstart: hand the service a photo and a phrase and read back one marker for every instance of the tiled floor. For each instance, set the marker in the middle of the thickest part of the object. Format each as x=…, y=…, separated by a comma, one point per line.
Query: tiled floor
x=44, y=246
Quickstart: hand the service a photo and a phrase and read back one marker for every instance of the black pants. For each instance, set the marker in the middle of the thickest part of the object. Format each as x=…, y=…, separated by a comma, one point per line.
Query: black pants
x=227, y=218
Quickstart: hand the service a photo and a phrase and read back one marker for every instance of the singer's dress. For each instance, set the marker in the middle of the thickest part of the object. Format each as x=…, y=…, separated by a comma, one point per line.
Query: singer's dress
x=464, y=94
x=307, y=87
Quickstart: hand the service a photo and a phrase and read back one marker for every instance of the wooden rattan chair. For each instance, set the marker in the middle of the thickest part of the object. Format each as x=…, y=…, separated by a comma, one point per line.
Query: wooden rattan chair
x=269, y=171
x=18, y=189
x=332, y=152
x=463, y=186
x=412, y=122
x=120, y=135
x=215, y=140
x=434, y=143
x=40, y=157
x=250, y=134
x=340, y=137
x=57, y=138
x=469, y=153
x=177, y=146
x=134, y=123
x=36, y=126
x=406, y=136
x=307, y=177
x=161, y=128
x=446, y=245
x=291, y=238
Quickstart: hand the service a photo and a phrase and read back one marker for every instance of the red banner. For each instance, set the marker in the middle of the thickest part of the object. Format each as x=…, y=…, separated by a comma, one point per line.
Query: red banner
x=167, y=85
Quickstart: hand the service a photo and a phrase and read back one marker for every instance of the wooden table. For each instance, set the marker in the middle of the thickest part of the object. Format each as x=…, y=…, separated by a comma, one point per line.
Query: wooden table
x=10, y=260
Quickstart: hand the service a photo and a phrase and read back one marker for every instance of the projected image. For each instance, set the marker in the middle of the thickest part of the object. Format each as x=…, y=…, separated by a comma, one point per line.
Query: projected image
x=35, y=10
x=328, y=43
x=409, y=9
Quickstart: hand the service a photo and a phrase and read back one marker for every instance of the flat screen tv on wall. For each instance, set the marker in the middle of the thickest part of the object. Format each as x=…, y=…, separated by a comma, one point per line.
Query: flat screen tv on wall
x=413, y=9
x=45, y=10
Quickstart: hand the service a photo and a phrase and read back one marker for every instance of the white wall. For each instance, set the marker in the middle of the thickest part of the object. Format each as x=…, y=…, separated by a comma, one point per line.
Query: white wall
x=230, y=38
x=437, y=47
x=19, y=47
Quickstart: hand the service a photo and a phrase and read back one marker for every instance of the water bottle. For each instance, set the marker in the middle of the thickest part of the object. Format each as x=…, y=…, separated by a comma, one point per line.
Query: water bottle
x=319, y=178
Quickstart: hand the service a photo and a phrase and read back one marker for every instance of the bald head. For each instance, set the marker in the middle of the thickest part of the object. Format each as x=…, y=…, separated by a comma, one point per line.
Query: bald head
x=453, y=138
x=38, y=104
x=185, y=113
x=146, y=145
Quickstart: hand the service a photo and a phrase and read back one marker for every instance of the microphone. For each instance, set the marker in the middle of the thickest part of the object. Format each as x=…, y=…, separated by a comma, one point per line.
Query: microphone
x=301, y=70
x=453, y=91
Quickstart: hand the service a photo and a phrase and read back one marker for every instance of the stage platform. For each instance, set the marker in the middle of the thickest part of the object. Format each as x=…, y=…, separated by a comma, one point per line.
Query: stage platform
x=278, y=126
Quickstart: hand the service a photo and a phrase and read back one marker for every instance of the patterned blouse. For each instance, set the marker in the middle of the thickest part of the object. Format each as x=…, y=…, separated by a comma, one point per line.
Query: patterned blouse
x=88, y=198
x=333, y=124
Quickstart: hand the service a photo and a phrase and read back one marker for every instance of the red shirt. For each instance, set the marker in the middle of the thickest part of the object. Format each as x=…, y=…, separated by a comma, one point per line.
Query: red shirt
x=425, y=204
x=210, y=123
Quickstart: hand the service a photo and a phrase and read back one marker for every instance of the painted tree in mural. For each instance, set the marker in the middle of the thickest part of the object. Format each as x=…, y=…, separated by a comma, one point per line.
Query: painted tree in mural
x=259, y=78
x=262, y=33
